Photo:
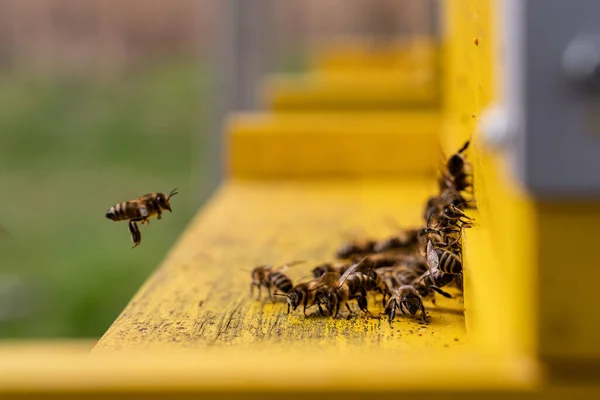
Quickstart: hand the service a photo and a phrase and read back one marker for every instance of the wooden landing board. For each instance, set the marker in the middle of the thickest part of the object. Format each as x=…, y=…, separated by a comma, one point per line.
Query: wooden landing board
x=357, y=54
x=322, y=145
x=351, y=91
x=199, y=297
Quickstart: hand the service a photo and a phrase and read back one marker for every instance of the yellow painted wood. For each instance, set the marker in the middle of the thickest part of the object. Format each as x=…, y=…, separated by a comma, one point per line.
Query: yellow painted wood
x=332, y=144
x=351, y=91
x=521, y=261
x=199, y=297
x=499, y=253
x=249, y=372
x=358, y=54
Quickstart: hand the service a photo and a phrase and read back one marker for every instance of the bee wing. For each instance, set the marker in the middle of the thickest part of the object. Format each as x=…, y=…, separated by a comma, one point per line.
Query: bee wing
x=350, y=271
x=432, y=258
x=261, y=266
x=283, y=267
x=433, y=261
x=327, y=279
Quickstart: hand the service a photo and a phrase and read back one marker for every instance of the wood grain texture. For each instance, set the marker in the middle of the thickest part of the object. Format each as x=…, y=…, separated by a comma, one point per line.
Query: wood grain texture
x=199, y=297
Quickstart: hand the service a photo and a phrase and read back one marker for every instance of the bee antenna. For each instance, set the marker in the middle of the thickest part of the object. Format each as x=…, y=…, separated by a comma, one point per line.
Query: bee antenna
x=429, y=219
x=173, y=193
x=462, y=149
x=281, y=294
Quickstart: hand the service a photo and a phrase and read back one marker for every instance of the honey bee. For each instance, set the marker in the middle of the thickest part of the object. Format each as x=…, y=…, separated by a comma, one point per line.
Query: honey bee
x=441, y=237
x=427, y=285
x=322, y=269
x=405, y=240
x=269, y=276
x=141, y=210
x=351, y=285
x=440, y=259
x=307, y=293
x=405, y=296
x=356, y=248
x=454, y=216
x=456, y=175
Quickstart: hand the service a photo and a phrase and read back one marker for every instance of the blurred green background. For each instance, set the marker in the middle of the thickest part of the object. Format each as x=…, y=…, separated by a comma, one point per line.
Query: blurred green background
x=71, y=147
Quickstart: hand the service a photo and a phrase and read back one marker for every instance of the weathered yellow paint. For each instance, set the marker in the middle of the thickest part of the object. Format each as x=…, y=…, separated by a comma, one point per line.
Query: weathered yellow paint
x=351, y=91
x=199, y=297
x=358, y=55
x=327, y=144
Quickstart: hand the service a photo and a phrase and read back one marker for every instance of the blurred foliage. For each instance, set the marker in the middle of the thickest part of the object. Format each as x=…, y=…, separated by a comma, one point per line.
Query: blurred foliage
x=71, y=147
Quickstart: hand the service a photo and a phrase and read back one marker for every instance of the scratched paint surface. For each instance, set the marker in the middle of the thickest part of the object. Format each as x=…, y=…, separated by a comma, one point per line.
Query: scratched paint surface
x=200, y=295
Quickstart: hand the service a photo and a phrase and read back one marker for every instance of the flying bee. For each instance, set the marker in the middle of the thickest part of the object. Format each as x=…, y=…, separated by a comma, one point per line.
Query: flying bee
x=141, y=210
x=269, y=276
x=406, y=296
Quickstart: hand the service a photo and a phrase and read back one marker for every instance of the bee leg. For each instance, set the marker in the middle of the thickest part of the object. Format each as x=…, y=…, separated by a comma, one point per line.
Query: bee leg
x=305, y=303
x=251, y=288
x=269, y=291
x=392, y=313
x=440, y=291
x=349, y=309
x=136, y=236
x=159, y=214
x=423, y=313
x=362, y=303
x=320, y=309
x=401, y=308
x=259, y=291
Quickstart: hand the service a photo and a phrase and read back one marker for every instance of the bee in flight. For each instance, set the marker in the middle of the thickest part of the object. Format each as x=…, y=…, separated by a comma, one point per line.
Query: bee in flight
x=141, y=210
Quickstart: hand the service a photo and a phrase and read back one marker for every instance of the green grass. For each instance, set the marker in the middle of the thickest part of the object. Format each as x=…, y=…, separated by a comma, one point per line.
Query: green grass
x=69, y=149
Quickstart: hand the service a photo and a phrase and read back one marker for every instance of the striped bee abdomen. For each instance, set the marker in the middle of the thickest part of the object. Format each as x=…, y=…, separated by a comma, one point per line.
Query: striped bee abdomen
x=449, y=263
x=127, y=210
x=281, y=281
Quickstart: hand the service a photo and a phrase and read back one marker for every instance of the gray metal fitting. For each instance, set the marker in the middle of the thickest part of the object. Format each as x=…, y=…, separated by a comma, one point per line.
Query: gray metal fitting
x=493, y=126
x=581, y=59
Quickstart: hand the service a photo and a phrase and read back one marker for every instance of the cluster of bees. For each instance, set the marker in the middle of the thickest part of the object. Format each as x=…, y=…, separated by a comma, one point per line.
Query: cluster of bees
x=141, y=210
x=406, y=269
